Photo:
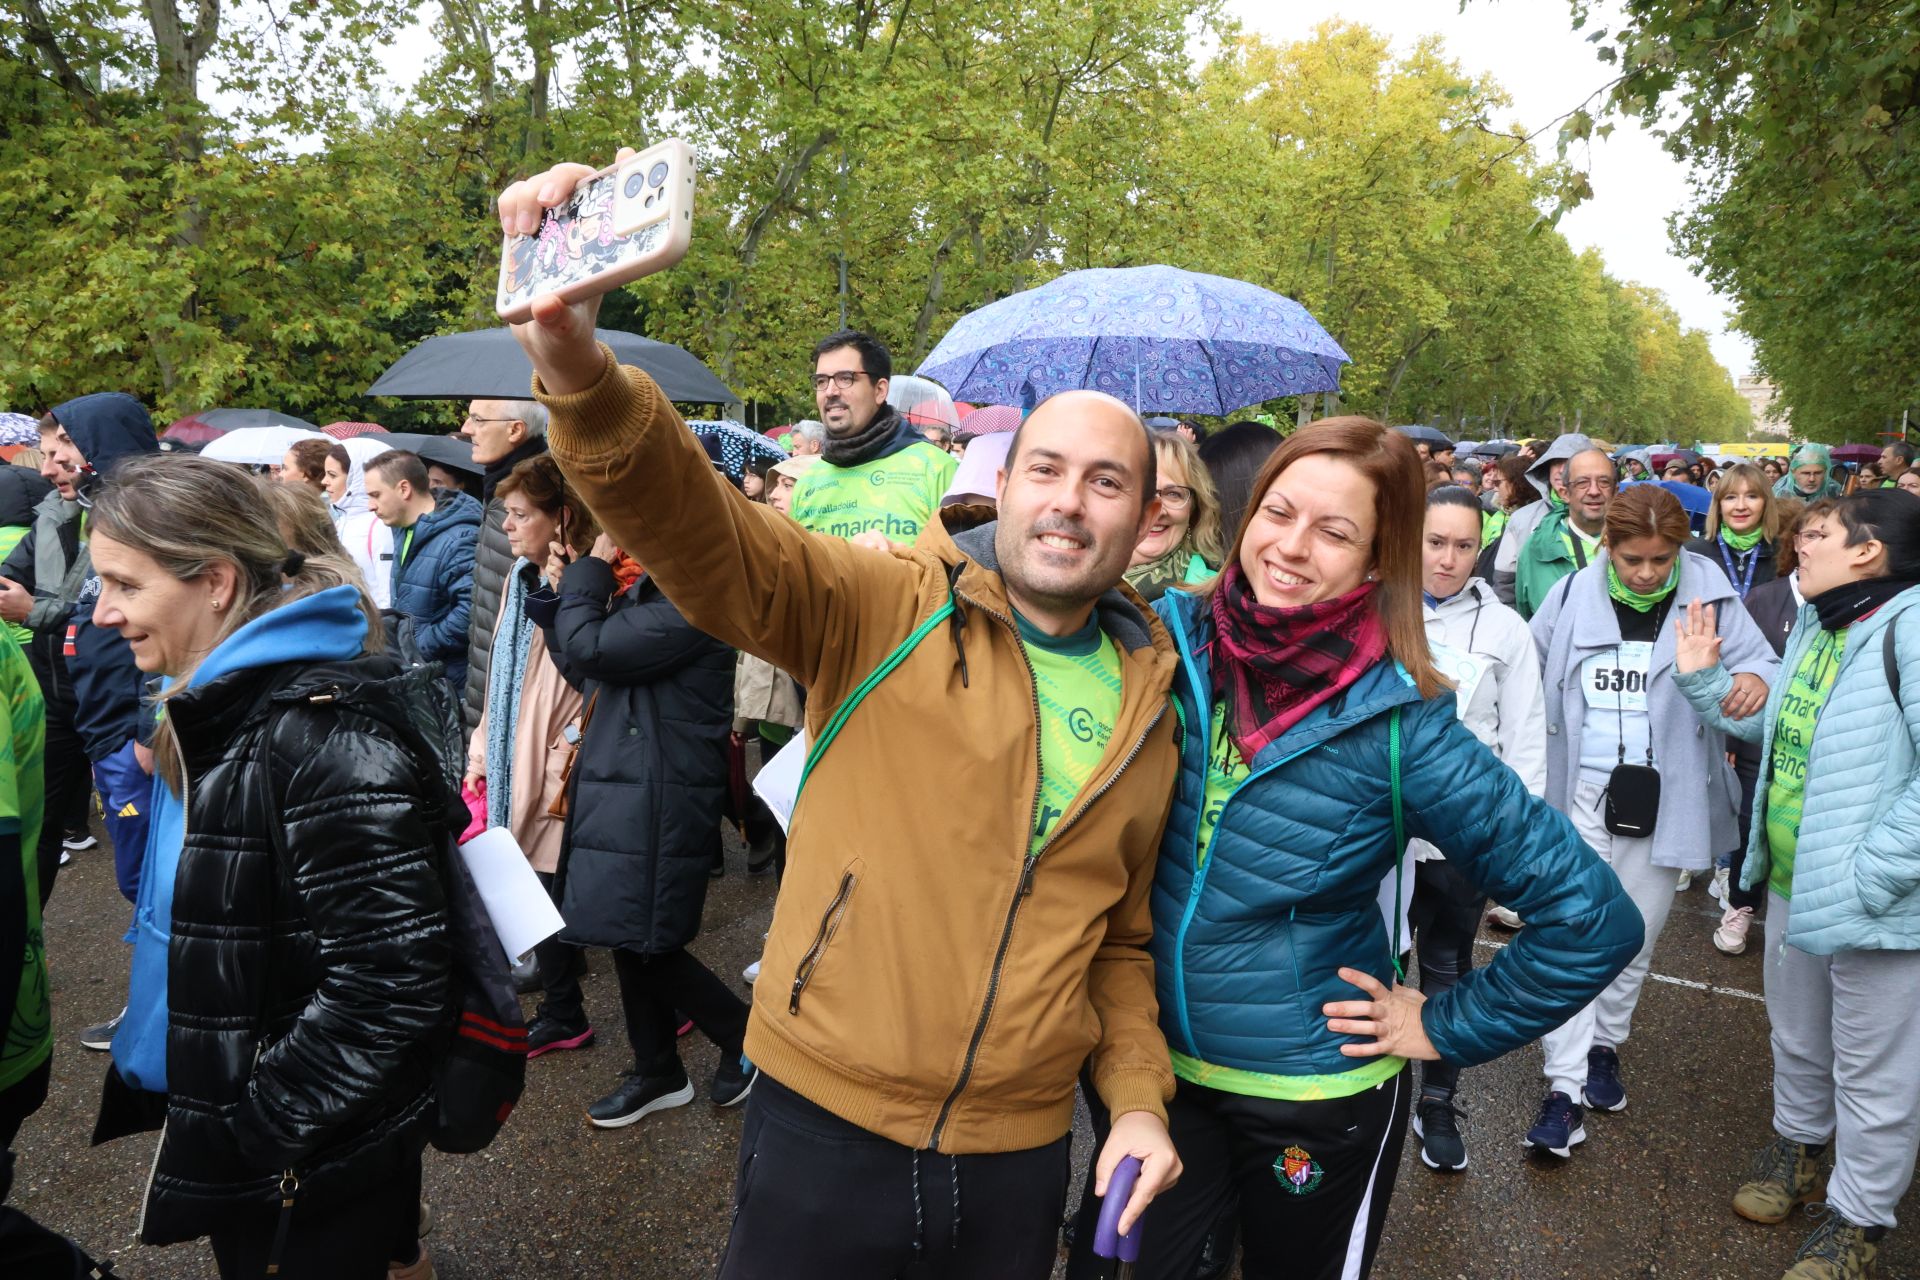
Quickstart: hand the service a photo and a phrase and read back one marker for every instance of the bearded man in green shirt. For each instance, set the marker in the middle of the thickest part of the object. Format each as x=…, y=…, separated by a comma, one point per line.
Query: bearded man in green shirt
x=881, y=478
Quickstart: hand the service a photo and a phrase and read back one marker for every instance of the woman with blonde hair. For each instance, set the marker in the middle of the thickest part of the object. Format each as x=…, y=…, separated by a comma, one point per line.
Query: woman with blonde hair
x=1183, y=544
x=291, y=972
x=305, y=521
x=1744, y=528
x=1316, y=741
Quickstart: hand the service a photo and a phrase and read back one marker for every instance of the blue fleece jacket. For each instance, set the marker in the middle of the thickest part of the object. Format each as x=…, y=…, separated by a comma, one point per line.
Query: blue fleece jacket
x=105, y=427
x=325, y=627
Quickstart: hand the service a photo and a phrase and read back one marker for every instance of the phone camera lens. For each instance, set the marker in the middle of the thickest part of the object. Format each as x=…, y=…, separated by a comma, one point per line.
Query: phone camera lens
x=635, y=185
x=657, y=174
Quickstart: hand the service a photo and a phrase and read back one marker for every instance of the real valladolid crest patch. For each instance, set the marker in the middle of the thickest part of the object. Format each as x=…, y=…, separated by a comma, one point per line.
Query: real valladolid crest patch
x=1298, y=1172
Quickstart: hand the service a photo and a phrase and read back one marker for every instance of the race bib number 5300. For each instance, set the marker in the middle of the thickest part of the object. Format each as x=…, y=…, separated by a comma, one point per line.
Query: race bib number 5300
x=1616, y=680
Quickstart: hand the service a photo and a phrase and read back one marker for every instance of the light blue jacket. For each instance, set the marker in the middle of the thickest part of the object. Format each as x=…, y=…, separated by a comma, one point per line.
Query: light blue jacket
x=1856, y=871
x=1699, y=795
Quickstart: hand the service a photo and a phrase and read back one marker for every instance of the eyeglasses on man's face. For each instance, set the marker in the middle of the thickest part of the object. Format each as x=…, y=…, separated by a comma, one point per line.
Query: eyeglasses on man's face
x=843, y=379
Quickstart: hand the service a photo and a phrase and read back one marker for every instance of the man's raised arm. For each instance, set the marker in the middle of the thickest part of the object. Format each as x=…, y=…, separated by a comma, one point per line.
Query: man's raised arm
x=739, y=571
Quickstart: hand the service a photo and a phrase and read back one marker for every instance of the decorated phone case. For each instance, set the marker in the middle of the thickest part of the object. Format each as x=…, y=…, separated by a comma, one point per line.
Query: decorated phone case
x=624, y=222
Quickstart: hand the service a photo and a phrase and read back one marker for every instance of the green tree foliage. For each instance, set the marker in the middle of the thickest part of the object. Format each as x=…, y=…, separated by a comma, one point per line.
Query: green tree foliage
x=1800, y=122
x=881, y=163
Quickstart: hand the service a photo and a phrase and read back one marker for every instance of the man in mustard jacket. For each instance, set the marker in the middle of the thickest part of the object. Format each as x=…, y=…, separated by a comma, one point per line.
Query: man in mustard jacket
x=944, y=958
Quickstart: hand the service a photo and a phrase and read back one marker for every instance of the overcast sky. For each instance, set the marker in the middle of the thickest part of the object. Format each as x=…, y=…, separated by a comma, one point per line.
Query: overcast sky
x=1531, y=48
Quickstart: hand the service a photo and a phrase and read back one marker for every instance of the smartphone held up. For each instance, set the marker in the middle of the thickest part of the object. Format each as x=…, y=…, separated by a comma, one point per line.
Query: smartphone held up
x=627, y=221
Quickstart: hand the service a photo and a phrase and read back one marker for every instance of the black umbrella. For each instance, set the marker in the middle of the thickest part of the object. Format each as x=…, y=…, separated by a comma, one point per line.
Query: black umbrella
x=1428, y=434
x=488, y=364
x=448, y=451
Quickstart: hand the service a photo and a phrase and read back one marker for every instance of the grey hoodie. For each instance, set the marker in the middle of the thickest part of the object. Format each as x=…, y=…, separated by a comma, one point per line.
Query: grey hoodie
x=1520, y=527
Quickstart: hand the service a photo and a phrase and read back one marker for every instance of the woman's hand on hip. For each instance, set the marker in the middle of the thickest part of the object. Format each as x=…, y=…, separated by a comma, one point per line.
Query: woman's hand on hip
x=1391, y=1017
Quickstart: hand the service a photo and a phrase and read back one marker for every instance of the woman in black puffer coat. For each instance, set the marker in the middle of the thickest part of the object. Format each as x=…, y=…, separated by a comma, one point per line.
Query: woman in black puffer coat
x=290, y=988
x=643, y=820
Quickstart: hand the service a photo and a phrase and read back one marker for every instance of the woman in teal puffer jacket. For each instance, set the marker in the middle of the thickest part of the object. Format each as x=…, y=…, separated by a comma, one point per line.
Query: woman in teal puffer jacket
x=1305, y=692
x=1836, y=812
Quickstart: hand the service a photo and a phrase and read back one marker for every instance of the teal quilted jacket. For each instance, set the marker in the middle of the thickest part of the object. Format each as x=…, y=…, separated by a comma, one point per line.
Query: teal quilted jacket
x=1856, y=873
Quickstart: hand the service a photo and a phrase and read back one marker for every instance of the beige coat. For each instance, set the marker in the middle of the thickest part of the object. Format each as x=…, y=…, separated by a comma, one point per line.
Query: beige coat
x=548, y=704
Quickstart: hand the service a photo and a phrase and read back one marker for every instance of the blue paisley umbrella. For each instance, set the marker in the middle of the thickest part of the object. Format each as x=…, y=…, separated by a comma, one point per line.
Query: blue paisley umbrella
x=18, y=428
x=1162, y=339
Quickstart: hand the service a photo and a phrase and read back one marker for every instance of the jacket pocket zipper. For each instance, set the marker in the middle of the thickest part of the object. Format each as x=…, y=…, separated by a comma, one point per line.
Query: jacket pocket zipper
x=829, y=922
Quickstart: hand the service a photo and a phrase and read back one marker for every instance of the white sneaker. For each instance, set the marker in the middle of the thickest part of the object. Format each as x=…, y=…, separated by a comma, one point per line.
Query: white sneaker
x=751, y=974
x=1505, y=918
x=1721, y=875
x=1685, y=883
x=1731, y=936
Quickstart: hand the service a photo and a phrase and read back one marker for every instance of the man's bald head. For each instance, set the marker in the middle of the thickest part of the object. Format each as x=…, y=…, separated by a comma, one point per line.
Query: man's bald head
x=1090, y=409
x=1079, y=489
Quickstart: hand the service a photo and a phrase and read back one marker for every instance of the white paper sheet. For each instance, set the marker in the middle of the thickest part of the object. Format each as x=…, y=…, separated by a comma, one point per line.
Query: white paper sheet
x=522, y=912
x=778, y=782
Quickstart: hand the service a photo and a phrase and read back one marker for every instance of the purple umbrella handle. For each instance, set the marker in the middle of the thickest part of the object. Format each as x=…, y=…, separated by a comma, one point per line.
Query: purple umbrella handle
x=1107, y=1240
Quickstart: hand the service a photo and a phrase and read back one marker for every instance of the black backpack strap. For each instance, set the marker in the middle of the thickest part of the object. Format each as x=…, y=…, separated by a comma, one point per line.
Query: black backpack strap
x=1889, y=654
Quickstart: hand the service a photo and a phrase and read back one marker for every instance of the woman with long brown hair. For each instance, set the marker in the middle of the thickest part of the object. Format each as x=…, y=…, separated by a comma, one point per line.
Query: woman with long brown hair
x=1316, y=739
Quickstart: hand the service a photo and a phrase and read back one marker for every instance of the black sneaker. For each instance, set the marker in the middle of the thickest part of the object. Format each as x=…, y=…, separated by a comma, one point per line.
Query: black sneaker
x=546, y=1034
x=733, y=1081
x=1560, y=1127
x=1436, y=1122
x=100, y=1037
x=1604, y=1089
x=80, y=841
x=639, y=1096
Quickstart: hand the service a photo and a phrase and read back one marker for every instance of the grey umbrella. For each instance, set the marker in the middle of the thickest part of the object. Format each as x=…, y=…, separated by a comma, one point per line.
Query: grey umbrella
x=489, y=365
x=233, y=419
x=1430, y=435
x=448, y=451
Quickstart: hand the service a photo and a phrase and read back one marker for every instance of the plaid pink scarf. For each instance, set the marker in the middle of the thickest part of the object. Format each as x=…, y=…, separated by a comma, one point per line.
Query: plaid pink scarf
x=1274, y=665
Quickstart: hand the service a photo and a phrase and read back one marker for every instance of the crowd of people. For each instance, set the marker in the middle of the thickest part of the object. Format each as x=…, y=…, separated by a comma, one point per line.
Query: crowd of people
x=1240, y=728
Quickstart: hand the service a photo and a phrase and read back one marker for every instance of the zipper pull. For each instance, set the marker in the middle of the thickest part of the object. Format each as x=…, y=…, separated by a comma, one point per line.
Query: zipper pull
x=289, y=1185
x=1026, y=875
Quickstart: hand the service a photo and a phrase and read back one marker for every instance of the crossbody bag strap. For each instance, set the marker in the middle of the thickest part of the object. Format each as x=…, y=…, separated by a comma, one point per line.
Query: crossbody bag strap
x=1399, y=834
x=867, y=686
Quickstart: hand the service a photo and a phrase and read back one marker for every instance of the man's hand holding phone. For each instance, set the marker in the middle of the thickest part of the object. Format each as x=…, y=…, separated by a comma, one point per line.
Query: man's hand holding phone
x=559, y=338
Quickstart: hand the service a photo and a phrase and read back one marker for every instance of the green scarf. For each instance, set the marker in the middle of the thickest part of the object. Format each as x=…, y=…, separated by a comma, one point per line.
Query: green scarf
x=1742, y=541
x=1554, y=501
x=1626, y=595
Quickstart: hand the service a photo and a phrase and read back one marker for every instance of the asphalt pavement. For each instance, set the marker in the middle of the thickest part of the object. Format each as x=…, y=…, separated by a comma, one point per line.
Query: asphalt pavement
x=554, y=1199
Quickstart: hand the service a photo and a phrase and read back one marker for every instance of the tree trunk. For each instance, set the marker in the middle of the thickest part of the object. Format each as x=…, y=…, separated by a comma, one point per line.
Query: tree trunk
x=930, y=306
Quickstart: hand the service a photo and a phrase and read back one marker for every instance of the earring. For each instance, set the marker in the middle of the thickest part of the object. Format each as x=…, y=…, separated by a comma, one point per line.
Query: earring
x=216, y=605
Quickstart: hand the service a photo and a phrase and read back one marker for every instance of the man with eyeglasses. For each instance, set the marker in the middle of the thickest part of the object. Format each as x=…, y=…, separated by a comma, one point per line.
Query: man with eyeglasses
x=881, y=478
x=1569, y=538
x=504, y=433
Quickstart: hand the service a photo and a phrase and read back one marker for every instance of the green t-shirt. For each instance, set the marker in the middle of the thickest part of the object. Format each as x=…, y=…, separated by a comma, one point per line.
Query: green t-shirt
x=897, y=494
x=1226, y=770
x=10, y=536
x=23, y=734
x=1076, y=680
x=1800, y=707
x=1589, y=547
